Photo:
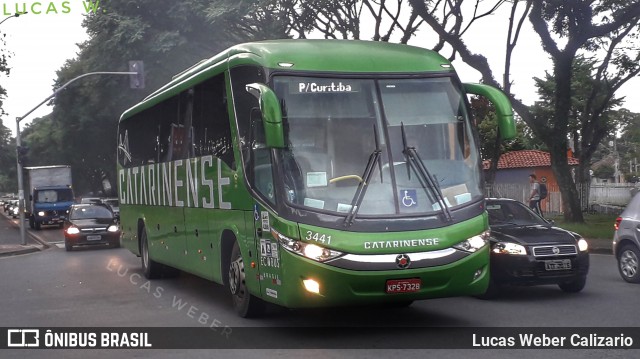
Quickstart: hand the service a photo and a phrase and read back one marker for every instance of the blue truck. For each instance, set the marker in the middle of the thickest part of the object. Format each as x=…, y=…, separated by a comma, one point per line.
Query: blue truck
x=50, y=195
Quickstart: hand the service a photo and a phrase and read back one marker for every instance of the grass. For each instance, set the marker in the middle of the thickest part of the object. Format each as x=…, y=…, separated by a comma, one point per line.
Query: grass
x=597, y=229
x=595, y=226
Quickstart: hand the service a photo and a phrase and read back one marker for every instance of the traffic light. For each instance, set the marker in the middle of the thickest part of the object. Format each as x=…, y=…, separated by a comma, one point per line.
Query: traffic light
x=136, y=81
x=22, y=154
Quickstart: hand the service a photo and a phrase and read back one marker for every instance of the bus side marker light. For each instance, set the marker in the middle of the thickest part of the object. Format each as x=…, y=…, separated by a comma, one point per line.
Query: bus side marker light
x=477, y=274
x=253, y=264
x=311, y=286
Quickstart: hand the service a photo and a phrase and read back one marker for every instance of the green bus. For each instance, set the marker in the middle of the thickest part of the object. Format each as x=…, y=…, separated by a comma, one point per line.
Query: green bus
x=311, y=173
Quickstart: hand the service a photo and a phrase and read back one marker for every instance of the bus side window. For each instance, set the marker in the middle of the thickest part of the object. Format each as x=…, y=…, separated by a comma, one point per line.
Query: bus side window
x=211, y=127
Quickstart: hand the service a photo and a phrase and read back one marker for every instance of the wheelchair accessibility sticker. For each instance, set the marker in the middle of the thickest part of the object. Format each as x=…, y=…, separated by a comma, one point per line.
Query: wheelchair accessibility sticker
x=409, y=198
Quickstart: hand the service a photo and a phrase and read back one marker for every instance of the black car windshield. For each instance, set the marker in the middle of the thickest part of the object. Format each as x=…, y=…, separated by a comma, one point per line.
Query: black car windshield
x=512, y=213
x=91, y=212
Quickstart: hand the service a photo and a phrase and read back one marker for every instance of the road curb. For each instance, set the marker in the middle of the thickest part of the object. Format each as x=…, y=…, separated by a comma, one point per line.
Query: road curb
x=20, y=248
x=16, y=251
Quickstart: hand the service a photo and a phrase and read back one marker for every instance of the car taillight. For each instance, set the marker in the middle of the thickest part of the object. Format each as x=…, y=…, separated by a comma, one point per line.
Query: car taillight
x=617, y=224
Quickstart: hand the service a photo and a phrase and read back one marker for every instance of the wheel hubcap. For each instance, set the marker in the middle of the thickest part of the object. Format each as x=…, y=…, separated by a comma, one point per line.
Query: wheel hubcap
x=629, y=263
x=145, y=254
x=236, y=276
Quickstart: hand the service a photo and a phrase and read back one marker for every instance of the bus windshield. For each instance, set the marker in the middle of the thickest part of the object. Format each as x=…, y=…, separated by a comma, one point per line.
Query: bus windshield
x=333, y=126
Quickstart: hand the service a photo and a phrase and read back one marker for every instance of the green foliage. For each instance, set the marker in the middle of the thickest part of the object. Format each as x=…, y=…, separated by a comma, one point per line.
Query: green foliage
x=4, y=68
x=484, y=114
x=82, y=129
x=604, y=171
x=8, y=182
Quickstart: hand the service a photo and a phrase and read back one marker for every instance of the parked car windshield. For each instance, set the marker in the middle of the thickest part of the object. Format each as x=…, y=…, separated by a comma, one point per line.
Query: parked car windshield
x=512, y=213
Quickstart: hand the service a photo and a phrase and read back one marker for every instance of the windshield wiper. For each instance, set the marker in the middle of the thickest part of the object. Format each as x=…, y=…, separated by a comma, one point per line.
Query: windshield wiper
x=364, y=184
x=424, y=176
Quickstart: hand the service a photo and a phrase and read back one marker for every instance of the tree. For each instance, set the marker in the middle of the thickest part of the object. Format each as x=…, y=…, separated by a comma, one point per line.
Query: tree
x=167, y=36
x=7, y=150
x=331, y=19
x=604, y=171
x=4, y=69
x=586, y=98
x=491, y=145
x=607, y=27
x=628, y=145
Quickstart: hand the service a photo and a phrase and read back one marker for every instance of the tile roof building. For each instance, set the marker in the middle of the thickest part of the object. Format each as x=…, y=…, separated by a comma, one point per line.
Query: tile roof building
x=526, y=159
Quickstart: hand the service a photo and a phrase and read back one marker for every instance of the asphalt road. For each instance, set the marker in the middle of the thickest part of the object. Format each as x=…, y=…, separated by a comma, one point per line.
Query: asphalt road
x=105, y=288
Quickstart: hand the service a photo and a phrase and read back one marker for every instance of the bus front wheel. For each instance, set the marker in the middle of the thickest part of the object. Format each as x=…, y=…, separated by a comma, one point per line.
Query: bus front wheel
x=245, y=304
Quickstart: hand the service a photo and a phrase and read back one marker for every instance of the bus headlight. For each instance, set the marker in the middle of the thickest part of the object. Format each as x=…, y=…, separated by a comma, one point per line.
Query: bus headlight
x=474, y=243
x=41, y=214
x=308, y=250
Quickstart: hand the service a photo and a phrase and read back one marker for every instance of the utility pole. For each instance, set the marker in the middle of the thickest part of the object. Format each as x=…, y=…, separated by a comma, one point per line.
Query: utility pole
x=137, y=81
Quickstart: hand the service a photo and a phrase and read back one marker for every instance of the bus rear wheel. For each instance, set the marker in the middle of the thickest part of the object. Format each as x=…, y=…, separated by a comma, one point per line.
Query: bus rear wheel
x=150, y=268
x=245, y=304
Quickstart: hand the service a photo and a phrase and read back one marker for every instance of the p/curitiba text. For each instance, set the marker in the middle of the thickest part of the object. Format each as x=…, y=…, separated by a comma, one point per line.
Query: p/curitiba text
x=524, y=340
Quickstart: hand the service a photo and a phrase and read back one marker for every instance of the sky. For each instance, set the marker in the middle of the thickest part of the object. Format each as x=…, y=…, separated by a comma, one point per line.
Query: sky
x=41, y=43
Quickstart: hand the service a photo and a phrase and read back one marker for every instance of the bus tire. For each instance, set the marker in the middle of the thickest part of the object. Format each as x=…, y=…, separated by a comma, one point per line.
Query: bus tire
x=245, y=304
x=151, y=268
x=493, y=291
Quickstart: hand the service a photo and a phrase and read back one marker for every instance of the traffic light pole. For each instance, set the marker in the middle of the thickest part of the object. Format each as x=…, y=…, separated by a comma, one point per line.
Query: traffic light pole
x=21, y=196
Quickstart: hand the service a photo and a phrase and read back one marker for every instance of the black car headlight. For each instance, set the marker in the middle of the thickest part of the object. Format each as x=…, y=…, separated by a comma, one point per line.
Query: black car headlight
x=308, y=250
x=583, y=246
x=508, y=248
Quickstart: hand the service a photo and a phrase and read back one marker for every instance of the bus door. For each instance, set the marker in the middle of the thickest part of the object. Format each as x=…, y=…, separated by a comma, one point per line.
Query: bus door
x=268, y=252
x=267, y=247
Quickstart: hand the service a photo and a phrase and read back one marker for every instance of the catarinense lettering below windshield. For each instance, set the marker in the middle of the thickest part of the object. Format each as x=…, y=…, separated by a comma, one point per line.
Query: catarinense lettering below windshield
x=333, y=125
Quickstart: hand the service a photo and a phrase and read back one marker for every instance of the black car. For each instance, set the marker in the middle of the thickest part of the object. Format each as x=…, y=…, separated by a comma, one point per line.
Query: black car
x=526, y=249
x=90, y=224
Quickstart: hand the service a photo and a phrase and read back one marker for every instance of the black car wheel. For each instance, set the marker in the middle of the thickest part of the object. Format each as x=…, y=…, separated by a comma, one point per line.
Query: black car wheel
x=573, y=286
x=628, y=263
x=67, y=246
x=245, y=304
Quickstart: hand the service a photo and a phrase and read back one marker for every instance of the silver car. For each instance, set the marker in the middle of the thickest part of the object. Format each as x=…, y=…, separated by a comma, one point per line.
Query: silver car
x=626, y=241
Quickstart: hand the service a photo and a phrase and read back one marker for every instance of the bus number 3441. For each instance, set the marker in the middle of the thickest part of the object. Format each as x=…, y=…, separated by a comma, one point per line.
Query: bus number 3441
x=315, y=236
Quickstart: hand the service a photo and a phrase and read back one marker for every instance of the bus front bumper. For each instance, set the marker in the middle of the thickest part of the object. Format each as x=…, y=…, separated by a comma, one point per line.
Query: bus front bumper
x=307, y=283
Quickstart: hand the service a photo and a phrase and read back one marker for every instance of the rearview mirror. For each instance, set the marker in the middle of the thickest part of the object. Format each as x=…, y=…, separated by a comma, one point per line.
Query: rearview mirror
x=502, y=104
x=271, y=114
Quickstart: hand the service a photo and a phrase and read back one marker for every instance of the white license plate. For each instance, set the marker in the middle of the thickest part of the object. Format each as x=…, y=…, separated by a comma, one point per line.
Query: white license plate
x=94, y=238
x=561, y=264
x=403, y=285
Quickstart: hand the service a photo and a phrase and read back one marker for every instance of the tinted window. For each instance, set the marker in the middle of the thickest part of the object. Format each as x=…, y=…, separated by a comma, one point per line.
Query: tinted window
x=193, y=123
x=505, y=213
